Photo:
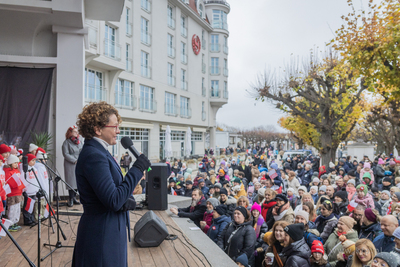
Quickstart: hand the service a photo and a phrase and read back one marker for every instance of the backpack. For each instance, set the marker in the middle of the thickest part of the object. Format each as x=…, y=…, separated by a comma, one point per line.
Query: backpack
x=309, y=242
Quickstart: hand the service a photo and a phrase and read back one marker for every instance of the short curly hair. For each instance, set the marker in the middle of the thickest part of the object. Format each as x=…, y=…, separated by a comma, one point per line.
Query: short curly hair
x=95, y=115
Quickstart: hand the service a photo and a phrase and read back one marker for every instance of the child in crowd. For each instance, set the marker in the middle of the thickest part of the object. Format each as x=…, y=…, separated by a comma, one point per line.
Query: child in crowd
x=363, y=197
x=317, y=255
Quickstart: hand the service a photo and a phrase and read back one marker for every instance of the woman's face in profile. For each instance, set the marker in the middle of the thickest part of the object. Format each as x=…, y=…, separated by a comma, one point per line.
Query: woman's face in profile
x=75, y=132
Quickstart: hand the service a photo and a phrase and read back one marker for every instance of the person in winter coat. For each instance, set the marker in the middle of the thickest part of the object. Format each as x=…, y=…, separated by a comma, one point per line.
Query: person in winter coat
x=228, y=201
x=366, y=180
x=244, y=239
x=384, y=201
x=364, y=252
x=299, y=170
x=326, y=222
x=245, y=169
x=293, y=199
x=341, y=202
x=268, y=204
x=371, y=226
x=293, y=182
x=332, y=245
x=274, y=240
x=363, y=198
x=219, y=222
x=306, y=178
x=322, y=170
x=379, y=171
x=208, y=215
x=196, y=210
x=317, y=255
x=277, y=180
x=260, y=226
x=295, y=252
x=255, y=173
x=367, y=168
x=282, y=211
x=385, y=259
x=238, y=188
x=309, y=234
x=351, y=189
x=385, y=241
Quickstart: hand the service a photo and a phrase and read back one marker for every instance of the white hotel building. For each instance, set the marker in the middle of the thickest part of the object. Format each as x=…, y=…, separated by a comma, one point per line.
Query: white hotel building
x=150, y=67
x=160, y=62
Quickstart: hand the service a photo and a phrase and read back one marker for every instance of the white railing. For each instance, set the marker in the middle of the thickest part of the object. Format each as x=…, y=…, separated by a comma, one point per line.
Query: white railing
x=145, y=38
x=125, y=100
x=129, y=29
x=147, y=105
x=171, y=80
x=184, y=58
x=186, y=112
x=214, y=93
x=112, y=49
x=95, y=93
x=184, y=32
x=203, y=67
x=171, y=23
x=226, y=49
x=92, y=34
x=171, y=110
x=226, y=72
x=218, y=24
x=129, y=64
x=203, y=91
x=226, y=94
x=215, y=47
x=184, y=85
x=171, y=52
x=203, y=115
x=222, y=2
x=215, y=70
x=145, y=71
x=146, y=5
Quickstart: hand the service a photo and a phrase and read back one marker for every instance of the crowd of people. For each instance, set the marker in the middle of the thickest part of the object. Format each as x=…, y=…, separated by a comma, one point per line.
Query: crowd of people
x=266, y=212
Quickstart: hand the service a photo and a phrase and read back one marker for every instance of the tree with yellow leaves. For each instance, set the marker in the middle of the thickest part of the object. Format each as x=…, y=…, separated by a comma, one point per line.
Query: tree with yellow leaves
x=322, y=98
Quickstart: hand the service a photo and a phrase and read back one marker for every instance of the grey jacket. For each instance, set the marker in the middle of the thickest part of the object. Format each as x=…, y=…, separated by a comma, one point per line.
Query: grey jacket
x=71, y=153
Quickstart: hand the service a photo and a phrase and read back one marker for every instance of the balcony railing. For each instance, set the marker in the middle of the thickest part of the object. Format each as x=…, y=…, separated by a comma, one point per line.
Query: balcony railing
x=171, y=23
x=226, y=49
x=171, y=80
x=203, y=44
x=226, y=94
x=215, y=70
x=226, y=72
x=214, y=93
x=203, y=115
x=171, y=52
x=95, y=93
x=129, y=27
x=203, y=68
x=145, y=71
x=125, y=100
x=186, y=113
x=215, y=47
x=222, y=2
x=171, y=110
x=184, y=85
x=184, y=59
x=129, y=63
x=218, y=24
x=146, y=38
x=146, y=5
x=203, y=91
x=184, y=32
x=92, y=37
x=147, y=105
x=112, y=49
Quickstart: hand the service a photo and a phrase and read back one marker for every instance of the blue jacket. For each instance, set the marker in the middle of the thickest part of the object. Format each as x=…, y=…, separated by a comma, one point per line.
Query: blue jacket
x=217, y=226
x=315, y=197
x=370, y=232
x=306, y=178
x=278, y=179
x=205, y=190
x=101, y=238
x=384, y=243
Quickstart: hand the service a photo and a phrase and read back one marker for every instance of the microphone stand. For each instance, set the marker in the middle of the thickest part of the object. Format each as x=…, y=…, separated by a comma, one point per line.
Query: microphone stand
x=16, y=244
x=58, y=243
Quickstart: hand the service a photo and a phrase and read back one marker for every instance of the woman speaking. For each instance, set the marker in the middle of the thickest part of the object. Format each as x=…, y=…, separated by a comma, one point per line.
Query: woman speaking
x=104, y=192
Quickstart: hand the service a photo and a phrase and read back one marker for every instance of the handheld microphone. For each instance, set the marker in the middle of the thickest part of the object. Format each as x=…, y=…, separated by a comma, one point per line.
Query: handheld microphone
x=127, y=143
x=25, y=163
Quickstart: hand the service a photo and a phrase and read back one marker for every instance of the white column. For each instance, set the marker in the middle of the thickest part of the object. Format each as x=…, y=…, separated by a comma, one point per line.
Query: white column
x=212, y=137
x=154, y=142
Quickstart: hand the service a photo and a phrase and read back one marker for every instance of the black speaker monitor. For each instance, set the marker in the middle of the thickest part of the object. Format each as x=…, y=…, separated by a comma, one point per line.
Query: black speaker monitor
x=150, y=230
x=156, y=188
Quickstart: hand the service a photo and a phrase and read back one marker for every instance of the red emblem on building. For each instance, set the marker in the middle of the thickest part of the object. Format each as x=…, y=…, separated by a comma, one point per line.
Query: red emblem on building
x=196, y=45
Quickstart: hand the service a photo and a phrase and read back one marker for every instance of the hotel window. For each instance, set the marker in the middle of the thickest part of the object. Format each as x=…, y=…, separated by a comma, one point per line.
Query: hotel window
x=203, y=40
x=94, y=90
x=226, y=67
x=128, y=22
x=147, y=102
x=171, y=21
x=201, y=11
x=170, y=104
x=145, y=35
x=110, y=46
x=214, y=88
x=170, y=74
x=170, y=42
x=214, y=43
x=183, y=53
x=184, y=84
x=146, y=5
x=183, y=26
x=124, y=94
x=203, y=87
x=128, y=58
x=219, y=19
x=145, y=69
x=214, y=66
x=185, y=109
x=203, y=111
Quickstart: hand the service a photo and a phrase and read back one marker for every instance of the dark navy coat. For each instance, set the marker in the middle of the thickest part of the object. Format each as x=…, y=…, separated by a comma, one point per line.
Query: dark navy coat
x=101, y=239
x=217, y=226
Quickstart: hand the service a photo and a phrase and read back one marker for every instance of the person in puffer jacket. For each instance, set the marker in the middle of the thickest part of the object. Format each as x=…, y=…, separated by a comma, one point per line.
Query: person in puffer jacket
x=208, y=214
x=219, y=222
x=371, y=226
x=327, y=221
x=363, y=198
x=295, y=251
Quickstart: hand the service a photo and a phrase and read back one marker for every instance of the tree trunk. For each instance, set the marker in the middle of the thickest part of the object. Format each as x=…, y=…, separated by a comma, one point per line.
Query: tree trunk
x=328, y=148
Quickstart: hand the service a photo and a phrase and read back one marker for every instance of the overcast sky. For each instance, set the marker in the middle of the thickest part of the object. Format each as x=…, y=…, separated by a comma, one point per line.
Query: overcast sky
x=263, y=35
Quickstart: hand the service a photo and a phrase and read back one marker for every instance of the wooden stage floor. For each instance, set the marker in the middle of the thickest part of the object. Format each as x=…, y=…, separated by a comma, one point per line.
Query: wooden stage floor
x=163, y=255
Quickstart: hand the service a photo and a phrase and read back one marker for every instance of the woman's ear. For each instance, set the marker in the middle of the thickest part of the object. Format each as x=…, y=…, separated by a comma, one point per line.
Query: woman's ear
x=97, y=130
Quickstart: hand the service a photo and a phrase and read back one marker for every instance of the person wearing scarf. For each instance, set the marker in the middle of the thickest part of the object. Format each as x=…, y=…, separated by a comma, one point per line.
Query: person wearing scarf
x=351, y=189
x=211, y=204
x=260, y=227
x=326, y=222
x=282, y=210
x=332, y=246
x=322, y=170
x=268, y=203
x=71, y=149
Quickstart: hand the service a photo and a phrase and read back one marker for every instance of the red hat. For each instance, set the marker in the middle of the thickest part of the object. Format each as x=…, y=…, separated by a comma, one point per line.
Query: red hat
x=31, y=157
x=20, y=151
x=4, y=148
x=2, y=159
x=317, y=247
x=41, y=150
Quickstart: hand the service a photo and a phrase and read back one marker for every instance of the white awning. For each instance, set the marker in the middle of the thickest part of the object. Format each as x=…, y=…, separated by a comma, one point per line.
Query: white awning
x=203, y=130
x=137, y=125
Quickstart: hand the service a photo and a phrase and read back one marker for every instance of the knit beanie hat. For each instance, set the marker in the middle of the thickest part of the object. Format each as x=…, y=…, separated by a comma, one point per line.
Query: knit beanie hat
x=256, y=206
x=213, y=201
x=331, y=165
x=12, y=159
x=324, y=176
x=302, y=188
x=381, y=161
x=396, y=233
x=303, y=214
x=218, y=185
x=291, y=190
x=242, y=259
x=250, y=189
x=261, y=191
x=30, y=157
x=341, y=194
x=282, y=197
x=315, y=180
x=295, y=231
x=386, y=179
x=392, y=163
x=386, y=192
x=188, y=182
x=32, y=147
x=351, y=181
x=390, y=258
x=348, y=221
x=317, y=247
x=367, y=165
x=363, y=188
x=348, y=246
x=315, y=174
x=221, y=209
x=315, y=188
x=322, y=188
x=370, y=215
x=243, y=210
x=223, y=191
x=4, y=148
x=237, y=180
